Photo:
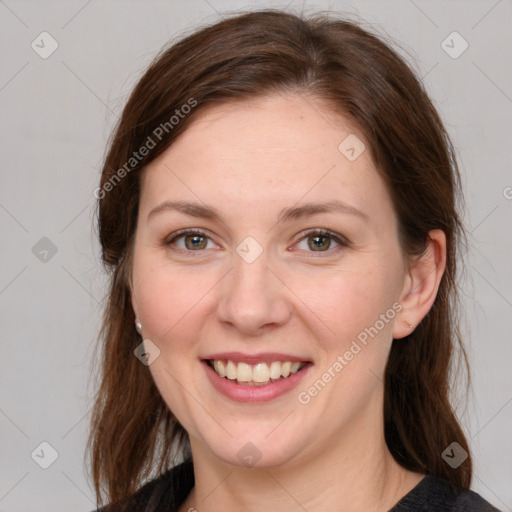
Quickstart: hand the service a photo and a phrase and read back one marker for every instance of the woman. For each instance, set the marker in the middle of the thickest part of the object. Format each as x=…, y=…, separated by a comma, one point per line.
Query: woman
x=278, y=212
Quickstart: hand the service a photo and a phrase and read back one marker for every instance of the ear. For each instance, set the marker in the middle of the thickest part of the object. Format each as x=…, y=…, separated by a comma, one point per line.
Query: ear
x=132, y=297
x=421, y=284
x=134, y=304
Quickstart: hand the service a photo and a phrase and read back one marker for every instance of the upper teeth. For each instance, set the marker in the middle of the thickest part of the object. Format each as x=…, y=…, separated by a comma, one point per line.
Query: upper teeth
x=259, y=373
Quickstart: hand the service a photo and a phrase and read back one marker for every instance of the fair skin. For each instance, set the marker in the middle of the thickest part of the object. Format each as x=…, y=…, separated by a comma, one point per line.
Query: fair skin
x=249, y=161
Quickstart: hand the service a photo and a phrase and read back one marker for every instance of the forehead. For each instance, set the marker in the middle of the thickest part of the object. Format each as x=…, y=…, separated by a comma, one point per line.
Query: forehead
x=265, y=126
x=267, y=153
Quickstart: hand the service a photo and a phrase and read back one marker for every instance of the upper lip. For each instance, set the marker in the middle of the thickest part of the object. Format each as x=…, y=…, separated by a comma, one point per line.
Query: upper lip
x=265, y=357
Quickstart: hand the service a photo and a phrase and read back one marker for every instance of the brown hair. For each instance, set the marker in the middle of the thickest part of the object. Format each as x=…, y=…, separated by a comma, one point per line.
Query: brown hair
x=358, y=76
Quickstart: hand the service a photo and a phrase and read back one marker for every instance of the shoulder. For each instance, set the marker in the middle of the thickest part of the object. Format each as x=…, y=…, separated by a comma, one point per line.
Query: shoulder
x=435, y=494
x=164, y=493
x=469, y=501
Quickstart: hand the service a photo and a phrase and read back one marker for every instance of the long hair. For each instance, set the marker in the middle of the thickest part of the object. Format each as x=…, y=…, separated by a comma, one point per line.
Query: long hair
x=357, y=75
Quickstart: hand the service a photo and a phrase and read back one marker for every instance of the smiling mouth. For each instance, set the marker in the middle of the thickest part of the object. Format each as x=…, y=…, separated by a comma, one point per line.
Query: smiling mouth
x=259, y=374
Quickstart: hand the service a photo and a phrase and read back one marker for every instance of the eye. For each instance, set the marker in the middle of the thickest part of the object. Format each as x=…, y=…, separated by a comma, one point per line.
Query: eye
x=320, y=240
x=194, y=240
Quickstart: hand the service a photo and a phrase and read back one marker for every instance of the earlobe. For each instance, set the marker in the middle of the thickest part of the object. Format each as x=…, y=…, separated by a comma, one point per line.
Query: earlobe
x=138, y=324
x=421, y=284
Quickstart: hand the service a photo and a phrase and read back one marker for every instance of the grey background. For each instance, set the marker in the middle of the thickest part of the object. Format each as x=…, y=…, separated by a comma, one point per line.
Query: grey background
x=56, y=116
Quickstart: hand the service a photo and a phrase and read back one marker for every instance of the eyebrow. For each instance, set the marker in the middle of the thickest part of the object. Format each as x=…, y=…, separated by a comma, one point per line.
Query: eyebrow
x=287, y=214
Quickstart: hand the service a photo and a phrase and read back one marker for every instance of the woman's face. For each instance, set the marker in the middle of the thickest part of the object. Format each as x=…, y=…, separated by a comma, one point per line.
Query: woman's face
x=255, y=284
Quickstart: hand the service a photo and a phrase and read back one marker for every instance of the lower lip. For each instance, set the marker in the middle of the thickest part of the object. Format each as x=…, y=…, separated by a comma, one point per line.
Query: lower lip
x=241, y=393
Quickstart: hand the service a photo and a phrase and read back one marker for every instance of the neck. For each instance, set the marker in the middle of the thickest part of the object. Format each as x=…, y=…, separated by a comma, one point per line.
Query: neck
x=354, y=472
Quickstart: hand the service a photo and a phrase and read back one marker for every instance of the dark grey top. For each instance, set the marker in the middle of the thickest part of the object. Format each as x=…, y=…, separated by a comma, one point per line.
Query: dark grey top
x=167, y=493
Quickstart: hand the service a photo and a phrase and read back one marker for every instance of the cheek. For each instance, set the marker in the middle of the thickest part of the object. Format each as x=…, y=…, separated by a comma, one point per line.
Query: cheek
x=336, y=304
x=169, y=300
x=347, y=301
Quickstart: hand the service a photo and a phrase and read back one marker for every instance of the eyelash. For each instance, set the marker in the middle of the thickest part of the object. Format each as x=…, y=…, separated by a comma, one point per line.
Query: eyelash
x=343, y=242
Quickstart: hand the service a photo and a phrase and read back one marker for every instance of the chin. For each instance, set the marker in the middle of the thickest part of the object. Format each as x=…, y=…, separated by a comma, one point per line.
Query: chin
x=256, y=452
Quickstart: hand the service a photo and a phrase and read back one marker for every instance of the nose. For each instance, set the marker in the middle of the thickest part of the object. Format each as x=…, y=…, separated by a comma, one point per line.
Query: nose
x=253, y=298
